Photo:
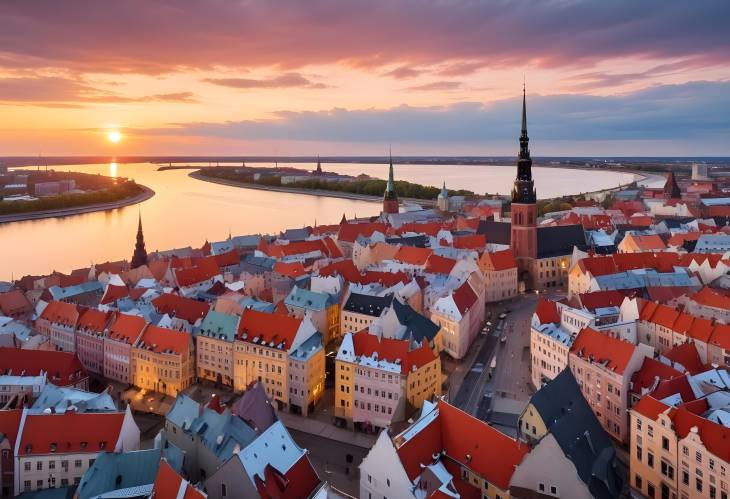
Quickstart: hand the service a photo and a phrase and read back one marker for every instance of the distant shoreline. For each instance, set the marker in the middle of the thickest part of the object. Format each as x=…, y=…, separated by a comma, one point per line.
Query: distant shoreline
x=146, y=194
x=309, y=192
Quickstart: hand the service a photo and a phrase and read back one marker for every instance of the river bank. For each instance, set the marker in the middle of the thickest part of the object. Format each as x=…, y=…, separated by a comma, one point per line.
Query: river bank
x=309, y=192
x=146, y=194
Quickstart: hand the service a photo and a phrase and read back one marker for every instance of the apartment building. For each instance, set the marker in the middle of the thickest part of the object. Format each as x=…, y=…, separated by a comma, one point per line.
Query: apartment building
x=163, y=361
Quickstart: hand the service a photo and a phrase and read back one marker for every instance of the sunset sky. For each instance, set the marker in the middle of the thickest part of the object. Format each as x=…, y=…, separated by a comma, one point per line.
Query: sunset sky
x=338, y=77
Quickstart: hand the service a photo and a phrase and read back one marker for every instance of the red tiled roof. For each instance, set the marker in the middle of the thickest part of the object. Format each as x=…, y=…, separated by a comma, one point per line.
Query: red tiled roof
x=289, y=269
x=672, y=386
x=114, y=293
x=547, y=311
x=679, y=239
x=297, y=248
x=227, y=259
x=501, y=260
x=601, y=299
x=602, y=348
x=471, y=241
x=178, y=306
x=162, y=340
x=439, y=265
x=721, y=336
x=126, y=328
x=348, y=271
x=14, y=302
x=412, y=255
x=61, y=313
x=268, y=328
x=390, y=349
x=649, y=407
x=467, y=223
x=204, y=269
x=349, y=232
x=701, y=329
x=168, y=483
x=299, y=481
x=94, y=320
x=63, y=368
x=493, y=454
x=70, y=433
x=10, y=424
x=663, y=294
x=464, y=297
x=333, y=251
x=647, y=242
x=685, y=354
x=715, y=437
x=648, y=373
x=710, y=298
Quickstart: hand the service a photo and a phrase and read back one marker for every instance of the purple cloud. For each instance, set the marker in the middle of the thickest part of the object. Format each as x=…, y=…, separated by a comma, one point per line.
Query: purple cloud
x=286, y=80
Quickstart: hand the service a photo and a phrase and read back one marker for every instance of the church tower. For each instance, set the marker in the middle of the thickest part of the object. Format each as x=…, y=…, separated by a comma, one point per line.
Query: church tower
x=390, y=198
x=139, y=257
x=524, y=198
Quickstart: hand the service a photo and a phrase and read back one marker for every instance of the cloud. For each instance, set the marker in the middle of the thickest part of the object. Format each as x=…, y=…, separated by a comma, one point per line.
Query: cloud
x=403, y=72
x=59, y=92
x=171, y=35
x=689, y=111
x=286, y=80
x=436, y=85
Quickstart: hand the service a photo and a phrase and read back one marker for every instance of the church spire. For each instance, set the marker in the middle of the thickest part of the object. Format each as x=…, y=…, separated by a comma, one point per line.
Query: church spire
x=139, y=257
x=391, y=182
x=524, y=188
x=390, y=198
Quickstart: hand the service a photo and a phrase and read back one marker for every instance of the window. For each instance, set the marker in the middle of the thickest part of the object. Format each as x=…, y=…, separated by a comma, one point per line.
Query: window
x=39, y=465
x=665, y=443
x=638, y=453
x=649, y=490
x=26, y=485
x=650, y=459
x=638, y=482
x=553, y=490
x=685, y=477
x=698, y=484
x=541, y=487
x=224, y=492
x=27, y=466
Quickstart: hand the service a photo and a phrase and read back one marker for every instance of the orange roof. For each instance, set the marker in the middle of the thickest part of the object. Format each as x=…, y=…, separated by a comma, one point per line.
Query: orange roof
x=289, y=269
x=710, y=298
x=500, y=260
x=126, y=328
x=679, y=239
x=472, y=241
x=649, y=407
x=721, y=336
x=602, y=348
x=178, y=306
x=227, y=259
x=61, y=313
x=70, y=433
x=298, y=482
x=94, y=320
x=464, y=297
x=162, y=340
x=168, y=483
x=268, y=329
x=701, y=330
x=428, y=228
x=63, y=368
x=647, y=242
x=298, y=248
x=439, y=265
x=547, y=311
x=412, y=255
x=685, y=354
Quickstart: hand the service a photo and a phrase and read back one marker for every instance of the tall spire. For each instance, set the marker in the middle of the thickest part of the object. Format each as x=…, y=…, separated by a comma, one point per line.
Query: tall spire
x=139, y=257
x=391, y=182
x=319, y=166
x=524, y=188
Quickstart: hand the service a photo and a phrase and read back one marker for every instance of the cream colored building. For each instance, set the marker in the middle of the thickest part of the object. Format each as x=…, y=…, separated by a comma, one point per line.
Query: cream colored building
x=163, y=361
x=214, y=347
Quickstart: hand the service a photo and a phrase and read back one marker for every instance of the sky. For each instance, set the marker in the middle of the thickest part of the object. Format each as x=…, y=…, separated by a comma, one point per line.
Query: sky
x=355, y=77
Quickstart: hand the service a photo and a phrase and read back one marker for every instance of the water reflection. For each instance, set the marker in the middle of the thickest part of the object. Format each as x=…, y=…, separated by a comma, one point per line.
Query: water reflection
x=113, y=170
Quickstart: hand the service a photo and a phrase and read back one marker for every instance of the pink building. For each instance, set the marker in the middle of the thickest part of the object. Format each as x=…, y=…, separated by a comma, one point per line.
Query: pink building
x=58, y=323
x=603, y=367
x=90, y=333
x=123, y=333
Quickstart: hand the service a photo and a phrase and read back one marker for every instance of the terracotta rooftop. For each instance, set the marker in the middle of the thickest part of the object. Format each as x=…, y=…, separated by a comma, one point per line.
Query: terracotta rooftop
x=163, y=340
x=70, y=433
x=63, y=368
x=613, y=353
x=183, y=308
x=268, y=329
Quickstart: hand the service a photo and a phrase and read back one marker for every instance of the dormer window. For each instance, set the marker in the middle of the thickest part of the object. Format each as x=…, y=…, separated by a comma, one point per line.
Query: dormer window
x=83, y=445
x=102, y=445
x=53, y=446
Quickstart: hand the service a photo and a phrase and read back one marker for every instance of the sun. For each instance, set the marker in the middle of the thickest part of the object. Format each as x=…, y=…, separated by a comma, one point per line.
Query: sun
x=114, y=136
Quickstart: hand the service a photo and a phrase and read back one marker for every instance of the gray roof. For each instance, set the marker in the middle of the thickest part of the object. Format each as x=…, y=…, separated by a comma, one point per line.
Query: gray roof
x=119, y=470
x=308, y=347
x=417, y=326
x=222, y=433
x=311, y=300
x=255, y=408
x=257, y=264
x=495, y=232
x=571, y=421
x=367, y=304
x=59, y=293
x=295, y=234
x=59, y=399
x=559, y=240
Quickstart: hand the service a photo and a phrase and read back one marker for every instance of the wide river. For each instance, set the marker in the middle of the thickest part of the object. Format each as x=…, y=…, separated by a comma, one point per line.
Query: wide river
x=187, y=212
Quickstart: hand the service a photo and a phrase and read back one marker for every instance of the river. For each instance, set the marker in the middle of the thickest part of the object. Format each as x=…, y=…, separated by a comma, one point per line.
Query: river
x=187, y=212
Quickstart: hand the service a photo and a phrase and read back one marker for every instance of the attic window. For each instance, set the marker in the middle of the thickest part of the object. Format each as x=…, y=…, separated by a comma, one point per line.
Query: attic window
x=83, y=445
x=53, y=446
x=102, y=445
